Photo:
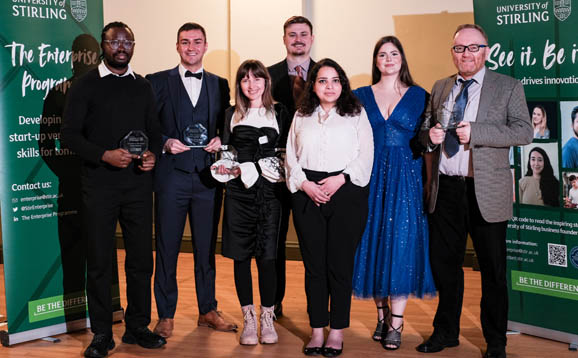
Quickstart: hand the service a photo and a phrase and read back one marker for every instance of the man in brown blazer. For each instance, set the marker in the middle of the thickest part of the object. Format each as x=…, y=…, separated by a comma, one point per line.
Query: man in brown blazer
x=472, y=120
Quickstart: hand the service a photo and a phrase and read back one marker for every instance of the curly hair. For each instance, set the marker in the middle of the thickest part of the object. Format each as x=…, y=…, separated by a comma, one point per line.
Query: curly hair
x=114, y=24
x=549, y=185
x=347, y=104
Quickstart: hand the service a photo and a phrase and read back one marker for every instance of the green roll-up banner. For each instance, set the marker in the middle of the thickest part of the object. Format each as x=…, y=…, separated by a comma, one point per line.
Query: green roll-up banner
x=537, y=43
x=45, y=46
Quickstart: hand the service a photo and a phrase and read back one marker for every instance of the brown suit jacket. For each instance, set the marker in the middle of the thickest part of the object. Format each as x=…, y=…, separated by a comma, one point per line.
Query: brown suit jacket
x=502, y=121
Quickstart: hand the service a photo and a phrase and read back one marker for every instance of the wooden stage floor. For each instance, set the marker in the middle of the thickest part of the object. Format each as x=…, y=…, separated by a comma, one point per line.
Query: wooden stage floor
x=293, y=329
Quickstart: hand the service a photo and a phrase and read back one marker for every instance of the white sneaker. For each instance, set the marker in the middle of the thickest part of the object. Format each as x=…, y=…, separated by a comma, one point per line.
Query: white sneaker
x=268, y=333
x=249, y=334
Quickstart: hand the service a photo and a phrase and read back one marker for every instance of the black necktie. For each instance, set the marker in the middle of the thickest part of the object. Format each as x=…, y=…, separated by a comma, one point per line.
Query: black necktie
x=197, y=75
x=451, y=142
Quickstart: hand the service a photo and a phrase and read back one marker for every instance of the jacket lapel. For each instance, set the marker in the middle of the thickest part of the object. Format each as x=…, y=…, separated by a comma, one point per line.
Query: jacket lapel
x=447, y=89
x=486, y=96
x=209, y=81
x=174, y=85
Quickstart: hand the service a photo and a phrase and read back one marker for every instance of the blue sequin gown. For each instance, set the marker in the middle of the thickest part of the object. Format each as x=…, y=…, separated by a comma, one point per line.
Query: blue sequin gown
x=392, y=258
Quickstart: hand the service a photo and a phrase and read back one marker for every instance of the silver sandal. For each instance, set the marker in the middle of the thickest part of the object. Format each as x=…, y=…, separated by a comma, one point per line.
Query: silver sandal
x=382, y=324
x=393, y=337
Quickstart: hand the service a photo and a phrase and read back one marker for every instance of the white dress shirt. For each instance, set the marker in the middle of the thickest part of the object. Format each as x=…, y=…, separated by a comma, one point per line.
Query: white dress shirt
x=292, y=71
x=192, y=85
x=103, y=71
x=460, y=164
x=328, y=142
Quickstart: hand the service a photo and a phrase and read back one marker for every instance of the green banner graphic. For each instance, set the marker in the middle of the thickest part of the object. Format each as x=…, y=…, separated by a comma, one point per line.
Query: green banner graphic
x=536, y=42
x=44, y=46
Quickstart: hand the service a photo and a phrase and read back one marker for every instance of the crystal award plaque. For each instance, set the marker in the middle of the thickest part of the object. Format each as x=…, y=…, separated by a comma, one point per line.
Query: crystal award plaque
x=135, y=142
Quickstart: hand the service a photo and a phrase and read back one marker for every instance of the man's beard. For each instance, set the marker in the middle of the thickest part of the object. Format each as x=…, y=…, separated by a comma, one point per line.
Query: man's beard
x=116, y=64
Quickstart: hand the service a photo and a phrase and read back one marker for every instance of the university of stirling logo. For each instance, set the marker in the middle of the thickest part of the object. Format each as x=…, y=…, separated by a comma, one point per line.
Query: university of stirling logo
x=78, y=9
x=562, y=9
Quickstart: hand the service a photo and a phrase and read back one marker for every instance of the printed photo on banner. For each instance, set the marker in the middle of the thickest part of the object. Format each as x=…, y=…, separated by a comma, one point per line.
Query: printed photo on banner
x=539, y=182
x=569, y=129
x=570, y=189
x=513, y=182
x=544, y=116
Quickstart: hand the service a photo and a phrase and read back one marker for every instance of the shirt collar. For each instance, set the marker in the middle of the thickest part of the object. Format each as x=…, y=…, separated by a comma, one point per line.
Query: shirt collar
x=322, y=115
x=478, y=77
x=103, y=71
x=182, y=70
x=304, y=65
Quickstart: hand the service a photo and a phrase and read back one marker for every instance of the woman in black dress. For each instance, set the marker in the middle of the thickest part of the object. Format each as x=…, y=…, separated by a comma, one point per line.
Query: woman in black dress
x=255, y=131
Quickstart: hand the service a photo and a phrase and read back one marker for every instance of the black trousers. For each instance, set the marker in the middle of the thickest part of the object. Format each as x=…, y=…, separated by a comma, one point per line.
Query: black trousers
x=328, y=237
x=457, y=214
x=281, y=244
x=101, y=209
x=195, y=195
x=244, y=281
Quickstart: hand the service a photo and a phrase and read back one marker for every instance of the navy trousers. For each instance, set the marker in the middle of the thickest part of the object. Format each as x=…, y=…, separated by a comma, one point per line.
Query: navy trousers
x=196, y=195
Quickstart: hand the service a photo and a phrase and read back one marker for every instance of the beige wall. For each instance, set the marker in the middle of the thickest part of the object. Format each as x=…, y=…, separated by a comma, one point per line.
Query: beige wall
x=155, y=24
x=344, y=30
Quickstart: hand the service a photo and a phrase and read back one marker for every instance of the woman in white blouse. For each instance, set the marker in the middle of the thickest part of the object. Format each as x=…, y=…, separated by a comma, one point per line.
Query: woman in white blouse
x=328, y=165
x=255, y=130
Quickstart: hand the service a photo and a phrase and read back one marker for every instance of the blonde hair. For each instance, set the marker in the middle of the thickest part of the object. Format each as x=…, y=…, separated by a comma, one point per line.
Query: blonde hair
x=542, y=126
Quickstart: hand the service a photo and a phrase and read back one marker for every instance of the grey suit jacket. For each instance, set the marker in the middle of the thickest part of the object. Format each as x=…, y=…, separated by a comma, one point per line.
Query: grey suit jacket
x=503, y=121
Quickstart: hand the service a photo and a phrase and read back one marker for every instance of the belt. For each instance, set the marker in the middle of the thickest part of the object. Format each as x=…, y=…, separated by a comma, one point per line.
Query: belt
x=455, y=177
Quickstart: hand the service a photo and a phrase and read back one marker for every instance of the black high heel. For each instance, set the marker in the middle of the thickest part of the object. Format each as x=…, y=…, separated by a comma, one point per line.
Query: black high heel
x=393, y=337
x=382, y=324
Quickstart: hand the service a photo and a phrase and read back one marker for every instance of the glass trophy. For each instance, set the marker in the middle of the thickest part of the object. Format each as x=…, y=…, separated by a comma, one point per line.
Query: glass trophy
x=135, y=142
x=446, y=118
x=196, y=136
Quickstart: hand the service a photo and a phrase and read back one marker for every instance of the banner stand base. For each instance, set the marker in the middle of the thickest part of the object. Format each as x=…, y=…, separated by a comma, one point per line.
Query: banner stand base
x=559, y=336
x=15, y=338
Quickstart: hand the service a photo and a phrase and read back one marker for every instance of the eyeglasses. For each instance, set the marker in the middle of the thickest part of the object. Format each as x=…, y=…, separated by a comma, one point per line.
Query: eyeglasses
x=115, y=44
x=471, y=48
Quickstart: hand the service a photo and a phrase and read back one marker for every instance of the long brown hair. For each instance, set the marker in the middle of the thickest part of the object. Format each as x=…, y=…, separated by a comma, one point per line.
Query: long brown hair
x=404, y=75
x=242, y=103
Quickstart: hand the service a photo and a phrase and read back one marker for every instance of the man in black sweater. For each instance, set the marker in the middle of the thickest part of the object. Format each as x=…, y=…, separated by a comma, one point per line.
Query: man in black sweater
x=288, y=81
x=103, y=106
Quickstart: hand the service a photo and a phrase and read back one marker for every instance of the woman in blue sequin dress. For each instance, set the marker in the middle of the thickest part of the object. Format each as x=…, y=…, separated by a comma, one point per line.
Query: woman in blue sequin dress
x=392, y=260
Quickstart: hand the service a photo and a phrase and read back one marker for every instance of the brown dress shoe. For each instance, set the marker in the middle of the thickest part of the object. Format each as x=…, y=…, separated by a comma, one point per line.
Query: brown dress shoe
x=214, y=320
x=164, y=327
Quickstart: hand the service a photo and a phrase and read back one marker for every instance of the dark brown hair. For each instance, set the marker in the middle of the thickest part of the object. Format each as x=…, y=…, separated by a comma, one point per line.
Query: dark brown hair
x=404, y=75
x=347, y=104
x=241, y=101
x=548, y=182
x=188, y=26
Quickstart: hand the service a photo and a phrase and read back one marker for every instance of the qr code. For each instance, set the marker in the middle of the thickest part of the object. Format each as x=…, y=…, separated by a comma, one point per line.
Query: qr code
x=557, y=255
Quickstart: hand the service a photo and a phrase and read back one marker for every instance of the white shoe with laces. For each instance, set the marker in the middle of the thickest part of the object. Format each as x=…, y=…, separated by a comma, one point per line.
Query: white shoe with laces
x=249, y=334
x=268, y=333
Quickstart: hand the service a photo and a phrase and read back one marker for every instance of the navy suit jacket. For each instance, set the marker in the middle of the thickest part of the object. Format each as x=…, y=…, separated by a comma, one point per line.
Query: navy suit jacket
x=167, y=86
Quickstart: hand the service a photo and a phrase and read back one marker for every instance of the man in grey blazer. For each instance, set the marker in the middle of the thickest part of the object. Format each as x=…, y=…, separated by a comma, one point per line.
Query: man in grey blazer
x=470, y=185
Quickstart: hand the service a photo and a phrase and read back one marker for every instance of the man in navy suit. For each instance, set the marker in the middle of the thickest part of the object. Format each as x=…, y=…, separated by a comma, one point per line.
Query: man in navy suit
x=287, y=82
x=188, y=97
